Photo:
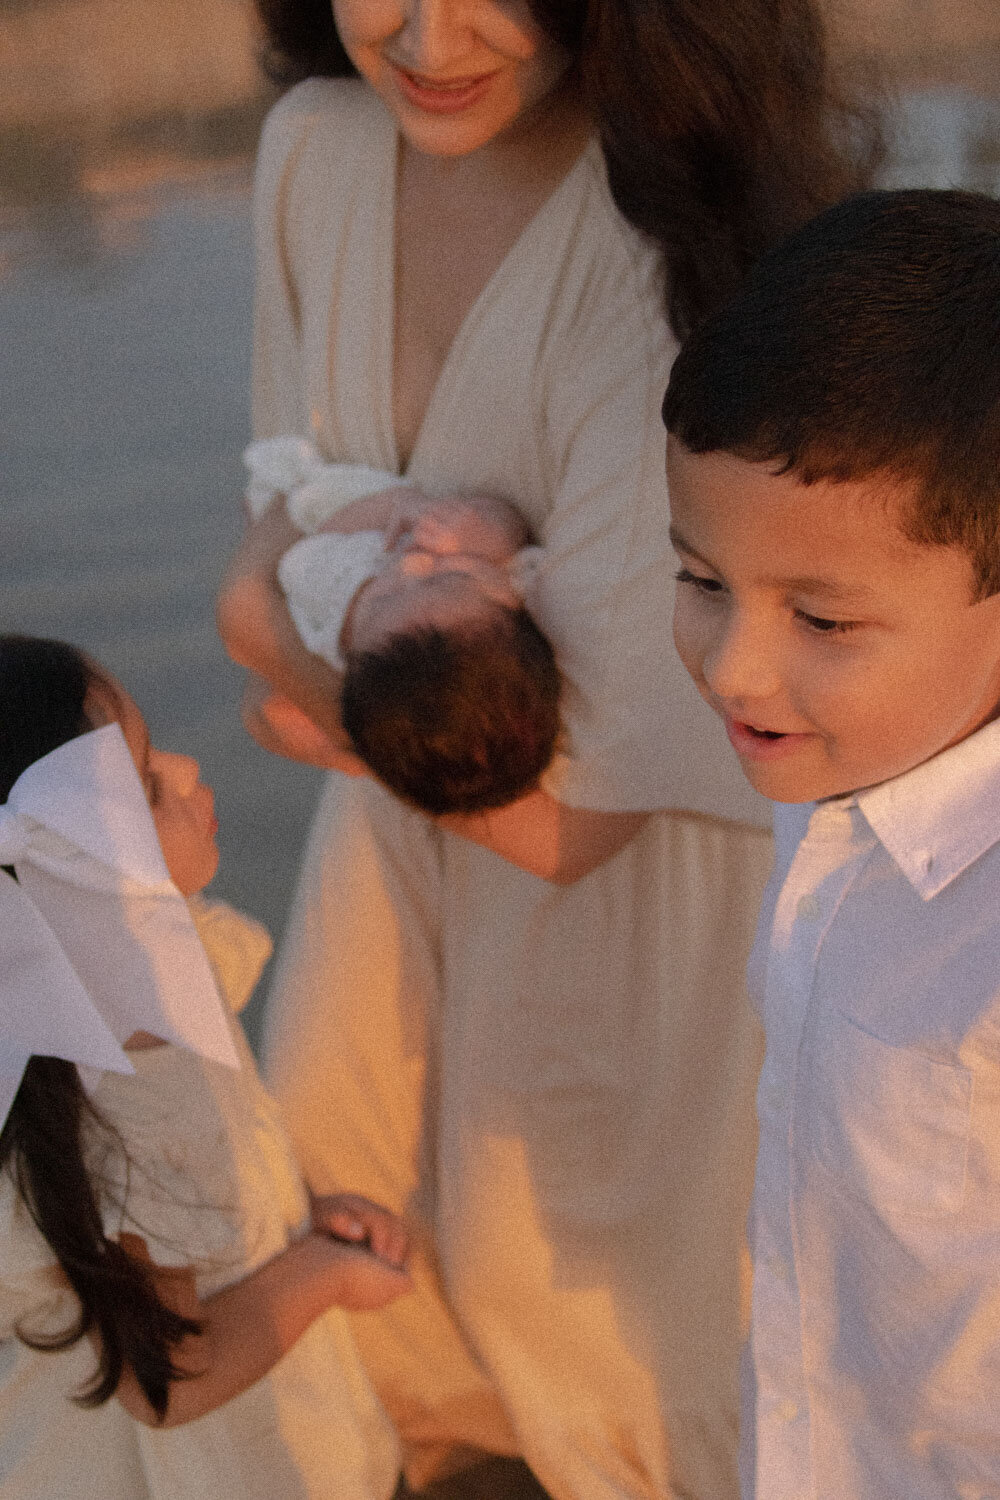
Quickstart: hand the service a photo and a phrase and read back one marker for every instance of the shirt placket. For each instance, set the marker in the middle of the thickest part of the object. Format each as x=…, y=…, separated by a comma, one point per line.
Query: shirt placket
x=819, y=876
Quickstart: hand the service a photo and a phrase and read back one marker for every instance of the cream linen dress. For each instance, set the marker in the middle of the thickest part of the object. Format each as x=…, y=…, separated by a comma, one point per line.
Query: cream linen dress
x=211, y=1180
x=557, y=1083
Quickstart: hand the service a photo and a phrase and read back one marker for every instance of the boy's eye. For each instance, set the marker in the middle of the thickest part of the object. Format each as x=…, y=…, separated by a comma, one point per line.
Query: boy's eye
x=823, y=626
x=703, y=585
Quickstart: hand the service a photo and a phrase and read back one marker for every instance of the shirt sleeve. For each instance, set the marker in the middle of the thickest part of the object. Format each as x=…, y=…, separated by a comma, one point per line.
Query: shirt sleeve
x=637, y=736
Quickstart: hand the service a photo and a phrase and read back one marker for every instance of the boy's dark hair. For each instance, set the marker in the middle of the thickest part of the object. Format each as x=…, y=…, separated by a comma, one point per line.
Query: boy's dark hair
x=456, y=721
x=43, y=688
x=866, y=344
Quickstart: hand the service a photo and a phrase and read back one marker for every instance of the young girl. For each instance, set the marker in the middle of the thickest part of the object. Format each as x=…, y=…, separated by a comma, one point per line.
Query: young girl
x=158, y=1211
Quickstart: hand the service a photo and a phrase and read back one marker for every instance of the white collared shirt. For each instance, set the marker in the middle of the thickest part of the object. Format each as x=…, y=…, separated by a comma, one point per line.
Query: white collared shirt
x=874, y=1362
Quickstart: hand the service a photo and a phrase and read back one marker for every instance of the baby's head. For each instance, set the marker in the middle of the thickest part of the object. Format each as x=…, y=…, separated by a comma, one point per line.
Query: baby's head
x=450, y=692
x=834, y=469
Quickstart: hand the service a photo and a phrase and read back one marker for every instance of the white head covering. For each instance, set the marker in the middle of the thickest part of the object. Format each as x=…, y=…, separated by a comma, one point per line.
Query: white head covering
x=96, y=942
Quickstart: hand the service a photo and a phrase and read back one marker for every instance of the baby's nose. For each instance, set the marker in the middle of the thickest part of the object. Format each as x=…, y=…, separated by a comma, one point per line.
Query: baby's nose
x=418, y=564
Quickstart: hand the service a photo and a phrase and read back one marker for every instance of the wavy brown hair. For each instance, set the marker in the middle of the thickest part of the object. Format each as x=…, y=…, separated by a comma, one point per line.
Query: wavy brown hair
x=43, y=690
x=723, y=122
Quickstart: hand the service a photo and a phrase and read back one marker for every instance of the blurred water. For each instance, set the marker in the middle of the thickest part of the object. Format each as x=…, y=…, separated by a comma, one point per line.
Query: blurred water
x=946, y=138
x=123, y=411
x=125, y=325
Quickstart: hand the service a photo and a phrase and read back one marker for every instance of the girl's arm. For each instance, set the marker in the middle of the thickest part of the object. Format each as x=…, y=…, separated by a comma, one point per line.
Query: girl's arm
x=247, y=1327
x=547, y=838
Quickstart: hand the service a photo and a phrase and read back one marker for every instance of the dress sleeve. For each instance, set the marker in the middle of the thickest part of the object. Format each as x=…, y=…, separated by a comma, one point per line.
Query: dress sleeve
x=279, y=400
x=637, y=736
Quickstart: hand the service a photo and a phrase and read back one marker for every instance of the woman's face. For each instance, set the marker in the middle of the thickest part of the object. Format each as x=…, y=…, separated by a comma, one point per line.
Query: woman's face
x=454, y=73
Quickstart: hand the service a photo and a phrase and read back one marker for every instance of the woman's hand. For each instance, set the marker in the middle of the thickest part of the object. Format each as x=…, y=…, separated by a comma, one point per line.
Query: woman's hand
x=259, y=634
x=280, y=726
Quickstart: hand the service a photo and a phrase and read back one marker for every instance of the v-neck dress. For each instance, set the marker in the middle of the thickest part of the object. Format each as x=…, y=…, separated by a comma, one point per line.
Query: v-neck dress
x=556, y=1083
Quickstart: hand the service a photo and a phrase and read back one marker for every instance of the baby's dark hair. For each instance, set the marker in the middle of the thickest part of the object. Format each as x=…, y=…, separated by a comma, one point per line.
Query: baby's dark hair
x=43, y=691
x=867, y=344
x=460, y=720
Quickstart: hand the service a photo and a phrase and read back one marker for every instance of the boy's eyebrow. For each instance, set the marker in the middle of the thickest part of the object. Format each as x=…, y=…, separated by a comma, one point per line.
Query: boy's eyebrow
x=826, y=588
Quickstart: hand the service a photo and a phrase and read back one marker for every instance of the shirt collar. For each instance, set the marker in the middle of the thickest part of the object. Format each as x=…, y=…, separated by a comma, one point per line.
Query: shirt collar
x=937, y=819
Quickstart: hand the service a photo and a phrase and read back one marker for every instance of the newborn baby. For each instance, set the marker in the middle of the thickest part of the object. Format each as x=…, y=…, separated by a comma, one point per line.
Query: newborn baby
x=450, y=692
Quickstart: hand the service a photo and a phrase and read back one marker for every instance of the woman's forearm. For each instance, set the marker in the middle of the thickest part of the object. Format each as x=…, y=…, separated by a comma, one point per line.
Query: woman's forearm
x=557, y=843
x=259, y=633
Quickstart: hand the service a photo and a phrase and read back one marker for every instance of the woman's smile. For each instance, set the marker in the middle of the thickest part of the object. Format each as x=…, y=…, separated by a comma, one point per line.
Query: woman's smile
x=445, y=95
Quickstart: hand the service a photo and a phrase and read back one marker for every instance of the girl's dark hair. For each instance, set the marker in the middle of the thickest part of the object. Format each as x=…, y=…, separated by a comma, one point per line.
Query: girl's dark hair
x=722, y=123
x=43, y=687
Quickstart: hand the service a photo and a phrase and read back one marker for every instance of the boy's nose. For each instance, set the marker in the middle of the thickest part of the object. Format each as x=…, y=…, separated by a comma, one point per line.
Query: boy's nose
x=740, y=667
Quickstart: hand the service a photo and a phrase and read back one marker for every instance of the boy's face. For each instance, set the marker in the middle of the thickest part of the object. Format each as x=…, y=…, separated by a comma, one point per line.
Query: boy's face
x=837, y=652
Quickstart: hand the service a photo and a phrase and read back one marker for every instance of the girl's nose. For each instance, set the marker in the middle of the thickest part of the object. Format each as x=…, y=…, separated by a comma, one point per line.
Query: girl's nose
x=183, y=770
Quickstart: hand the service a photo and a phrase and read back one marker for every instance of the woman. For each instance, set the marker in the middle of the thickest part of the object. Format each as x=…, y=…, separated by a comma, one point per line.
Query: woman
x=527, y=1029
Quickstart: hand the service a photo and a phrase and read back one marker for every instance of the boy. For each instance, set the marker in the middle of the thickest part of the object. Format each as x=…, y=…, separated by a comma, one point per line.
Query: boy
x=834, y=467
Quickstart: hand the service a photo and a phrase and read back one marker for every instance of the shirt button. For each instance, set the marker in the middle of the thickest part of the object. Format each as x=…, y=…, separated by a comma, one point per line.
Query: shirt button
x=787, y=1411
x=808, y=908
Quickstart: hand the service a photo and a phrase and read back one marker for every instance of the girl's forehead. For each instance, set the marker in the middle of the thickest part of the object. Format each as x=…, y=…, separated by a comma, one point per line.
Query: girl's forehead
x=109, y=702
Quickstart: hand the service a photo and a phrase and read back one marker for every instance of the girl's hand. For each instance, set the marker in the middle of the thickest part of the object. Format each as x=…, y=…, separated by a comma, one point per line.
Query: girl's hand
x=363, y=1280
x=349, y=1217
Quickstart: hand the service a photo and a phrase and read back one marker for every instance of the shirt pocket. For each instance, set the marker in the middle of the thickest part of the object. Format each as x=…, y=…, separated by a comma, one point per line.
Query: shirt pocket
x=889, y=1122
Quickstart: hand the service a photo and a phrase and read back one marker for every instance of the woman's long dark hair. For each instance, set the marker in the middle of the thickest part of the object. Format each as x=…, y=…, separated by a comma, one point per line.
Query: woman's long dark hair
x=722, y=123
x=43, y=688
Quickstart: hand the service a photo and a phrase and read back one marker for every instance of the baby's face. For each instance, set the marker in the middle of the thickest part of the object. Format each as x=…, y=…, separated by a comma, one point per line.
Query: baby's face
x=418, y=588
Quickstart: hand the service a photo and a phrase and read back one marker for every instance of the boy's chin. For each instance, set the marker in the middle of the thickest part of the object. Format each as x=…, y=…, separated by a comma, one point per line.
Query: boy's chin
x=787, y=786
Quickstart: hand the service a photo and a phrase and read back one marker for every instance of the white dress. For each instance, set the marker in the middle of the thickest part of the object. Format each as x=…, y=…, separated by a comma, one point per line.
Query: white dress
x=211, y=1181
x=556, y=1082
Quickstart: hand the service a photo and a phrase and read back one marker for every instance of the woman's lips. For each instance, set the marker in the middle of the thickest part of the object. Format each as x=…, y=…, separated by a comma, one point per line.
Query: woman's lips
x=760, y=744
x=446, y=96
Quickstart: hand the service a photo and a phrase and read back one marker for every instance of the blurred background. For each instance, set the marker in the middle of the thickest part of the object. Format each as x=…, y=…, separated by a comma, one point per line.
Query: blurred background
x=127, y=132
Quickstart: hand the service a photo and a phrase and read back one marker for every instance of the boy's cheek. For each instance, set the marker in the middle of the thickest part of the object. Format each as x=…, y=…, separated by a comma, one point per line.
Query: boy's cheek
x=686, y=641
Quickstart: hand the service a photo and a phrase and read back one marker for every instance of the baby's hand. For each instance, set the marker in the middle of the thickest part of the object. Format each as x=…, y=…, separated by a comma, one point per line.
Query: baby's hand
x=474, y=525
